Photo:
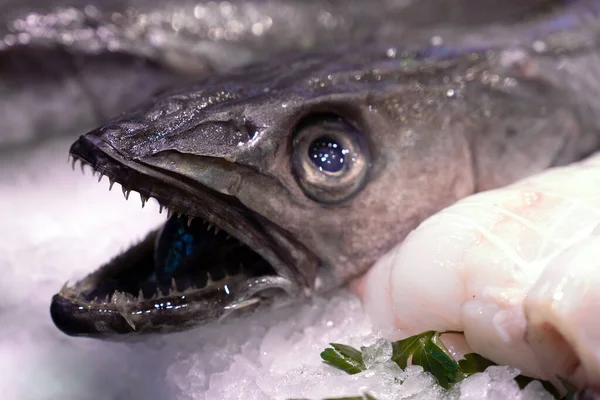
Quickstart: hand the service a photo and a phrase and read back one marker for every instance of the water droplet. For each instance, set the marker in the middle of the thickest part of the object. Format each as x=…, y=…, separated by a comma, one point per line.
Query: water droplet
x=539, y=46
x=258, y=29
x=437, y=41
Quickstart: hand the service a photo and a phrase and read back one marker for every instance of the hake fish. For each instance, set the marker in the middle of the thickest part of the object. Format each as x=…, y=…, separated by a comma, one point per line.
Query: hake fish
x=296, y=142
x=290, y=177
x=68, y=66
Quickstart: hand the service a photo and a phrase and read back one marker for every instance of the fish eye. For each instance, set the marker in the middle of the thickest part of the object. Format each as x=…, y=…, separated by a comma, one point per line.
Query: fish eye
x=327, y=154
x=330, y=158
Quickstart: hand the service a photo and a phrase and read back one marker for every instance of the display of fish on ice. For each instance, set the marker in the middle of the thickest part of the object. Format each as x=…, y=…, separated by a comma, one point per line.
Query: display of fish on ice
x=516, y=269
x=289, y=179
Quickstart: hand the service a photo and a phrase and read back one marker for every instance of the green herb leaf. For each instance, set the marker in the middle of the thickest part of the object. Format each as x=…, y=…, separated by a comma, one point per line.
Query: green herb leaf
x=344, y=357
x=428, y=351
x=474, y=363
x=403, y=349
x=435, y=358
x=348, y=351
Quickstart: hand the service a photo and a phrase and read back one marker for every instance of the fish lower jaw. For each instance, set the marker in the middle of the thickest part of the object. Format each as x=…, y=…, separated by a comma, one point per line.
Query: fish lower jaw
x=120, y=299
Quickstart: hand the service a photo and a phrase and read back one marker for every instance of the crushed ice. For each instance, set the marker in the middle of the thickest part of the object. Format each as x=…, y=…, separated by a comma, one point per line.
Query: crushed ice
x=69, y=228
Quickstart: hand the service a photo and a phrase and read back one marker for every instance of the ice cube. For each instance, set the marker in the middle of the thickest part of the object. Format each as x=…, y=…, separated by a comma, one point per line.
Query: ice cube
x=502, y=373
x=377, y=353
x=475, y=387
x=535, y=391
x=504, y=384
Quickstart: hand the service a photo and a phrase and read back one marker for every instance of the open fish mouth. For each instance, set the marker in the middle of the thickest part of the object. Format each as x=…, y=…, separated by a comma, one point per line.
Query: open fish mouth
x=213, y=257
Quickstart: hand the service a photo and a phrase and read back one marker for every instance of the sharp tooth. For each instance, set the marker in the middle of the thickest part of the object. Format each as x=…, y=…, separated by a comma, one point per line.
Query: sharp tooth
x=144, y=200
x=190, y=289
x=160, y=208
x=73, y=163
x=110, y=184
x=100, y=176
x=189, y=220
x=160, y=293
x=208, y=227
x=125, y=192
x=216, y=230
x=107, y=299
x=126, y=318
x=141, y=295
x=178, y=215
x=169, y=213
x=173, y=285
x=82, y=165
x=228, y=237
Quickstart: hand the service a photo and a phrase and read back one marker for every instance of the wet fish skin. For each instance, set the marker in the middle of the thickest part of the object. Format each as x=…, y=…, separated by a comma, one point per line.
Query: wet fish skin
x=491, y=107
x=46, y=93
x=196, y=36
x=59, y=59
x=457, y=120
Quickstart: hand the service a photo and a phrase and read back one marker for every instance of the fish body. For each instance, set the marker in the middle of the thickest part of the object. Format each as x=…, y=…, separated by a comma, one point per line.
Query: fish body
x=67, y=66
x=195, y=36
x=321, y=164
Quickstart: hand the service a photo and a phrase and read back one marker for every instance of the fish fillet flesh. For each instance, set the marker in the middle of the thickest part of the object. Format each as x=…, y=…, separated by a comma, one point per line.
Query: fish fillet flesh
x=516, y=269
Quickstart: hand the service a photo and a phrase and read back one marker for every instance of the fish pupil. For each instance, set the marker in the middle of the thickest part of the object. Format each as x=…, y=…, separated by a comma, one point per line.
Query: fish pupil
x=327, y=154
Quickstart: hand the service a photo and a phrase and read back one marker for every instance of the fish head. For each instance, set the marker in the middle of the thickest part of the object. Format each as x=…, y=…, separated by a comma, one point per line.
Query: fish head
x=314, y=169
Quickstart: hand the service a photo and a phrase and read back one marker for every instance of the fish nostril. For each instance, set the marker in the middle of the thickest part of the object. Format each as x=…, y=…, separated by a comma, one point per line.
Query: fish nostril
x=242, y=131
x=252, y=130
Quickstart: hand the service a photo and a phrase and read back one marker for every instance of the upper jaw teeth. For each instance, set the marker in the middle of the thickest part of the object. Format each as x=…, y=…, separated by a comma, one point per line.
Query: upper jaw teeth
x=144, y=199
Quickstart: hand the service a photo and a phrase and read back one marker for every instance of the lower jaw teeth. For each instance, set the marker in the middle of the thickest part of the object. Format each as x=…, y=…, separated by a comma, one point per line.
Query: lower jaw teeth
x=121, y=297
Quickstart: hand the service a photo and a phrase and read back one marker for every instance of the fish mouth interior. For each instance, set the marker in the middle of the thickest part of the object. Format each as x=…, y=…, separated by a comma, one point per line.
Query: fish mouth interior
x=180, y=257
x=195, y=269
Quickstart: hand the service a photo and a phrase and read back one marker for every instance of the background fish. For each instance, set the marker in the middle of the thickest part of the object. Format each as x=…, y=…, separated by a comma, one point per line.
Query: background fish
x=67, y=66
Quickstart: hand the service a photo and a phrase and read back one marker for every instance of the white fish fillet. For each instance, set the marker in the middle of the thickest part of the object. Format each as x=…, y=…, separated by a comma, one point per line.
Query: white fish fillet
x=516, y=269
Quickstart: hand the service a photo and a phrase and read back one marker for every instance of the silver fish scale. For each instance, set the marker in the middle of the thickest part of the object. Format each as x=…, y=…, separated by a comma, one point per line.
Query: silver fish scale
x=183, y=32
x=193, y=36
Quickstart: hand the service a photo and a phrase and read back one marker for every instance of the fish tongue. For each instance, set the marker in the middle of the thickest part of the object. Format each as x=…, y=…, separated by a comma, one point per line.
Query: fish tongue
x=182, y=251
